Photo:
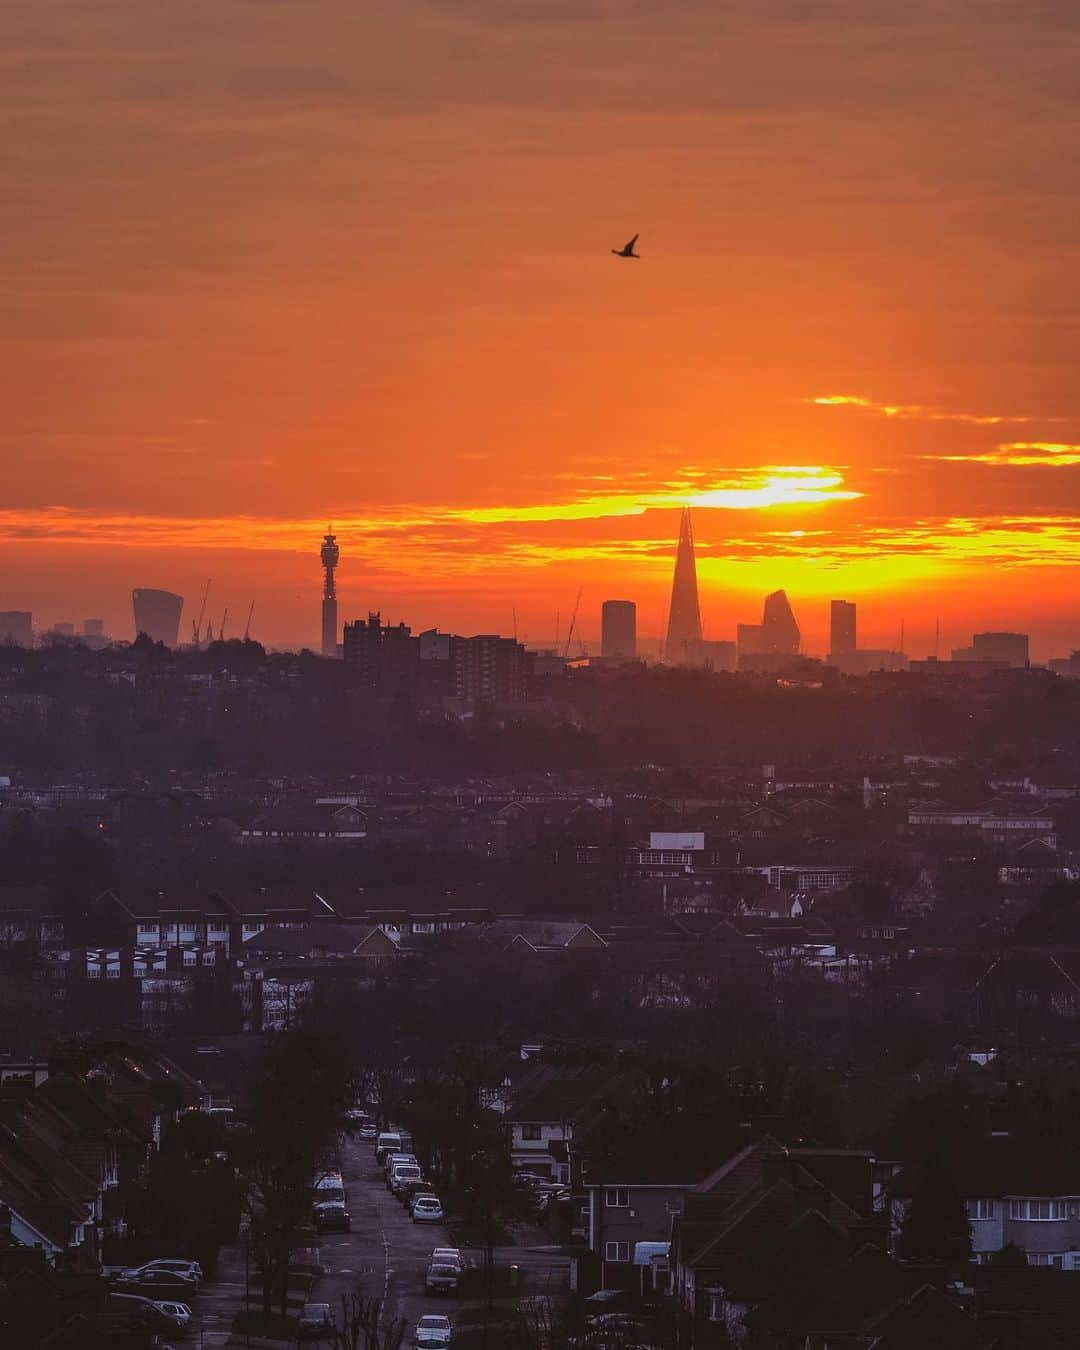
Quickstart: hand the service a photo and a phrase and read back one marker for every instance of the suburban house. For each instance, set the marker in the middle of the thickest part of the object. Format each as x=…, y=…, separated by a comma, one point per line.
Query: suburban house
x=541, y=1118
x=1014, y=1197
x=764, y=1192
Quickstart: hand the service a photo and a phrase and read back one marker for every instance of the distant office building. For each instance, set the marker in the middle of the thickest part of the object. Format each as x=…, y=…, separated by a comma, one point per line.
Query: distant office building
x=157, y=614
x=64, y=630
x=1010, y=649
x=380, y=656
x=750, y=639
x=93, y=627
x=778, y=627
x=329, y=556
x=868, y=659
x=1066, y=666
x=684, y=617
x=548, y=662
x=618, y=630
x=712, y=655
x=842, y=633
x=16, y=627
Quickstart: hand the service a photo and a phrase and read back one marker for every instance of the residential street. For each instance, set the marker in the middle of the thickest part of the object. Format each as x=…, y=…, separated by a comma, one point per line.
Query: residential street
x=385, y=1256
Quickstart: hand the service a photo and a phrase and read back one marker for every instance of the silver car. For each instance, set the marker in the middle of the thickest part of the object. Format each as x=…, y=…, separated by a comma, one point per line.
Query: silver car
x=432, y=1332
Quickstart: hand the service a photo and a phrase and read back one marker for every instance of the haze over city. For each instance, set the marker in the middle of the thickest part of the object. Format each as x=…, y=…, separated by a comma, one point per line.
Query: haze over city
x=274, y=267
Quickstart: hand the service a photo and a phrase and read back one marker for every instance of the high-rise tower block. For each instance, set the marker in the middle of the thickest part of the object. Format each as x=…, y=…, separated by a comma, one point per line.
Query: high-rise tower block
x=329, y=556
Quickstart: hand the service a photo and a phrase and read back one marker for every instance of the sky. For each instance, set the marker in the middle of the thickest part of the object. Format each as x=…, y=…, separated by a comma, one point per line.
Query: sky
x=272, y=264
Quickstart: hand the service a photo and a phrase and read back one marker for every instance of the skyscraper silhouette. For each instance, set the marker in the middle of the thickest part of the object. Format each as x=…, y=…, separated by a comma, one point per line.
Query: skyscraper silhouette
x=779, y=631
x=157, y=614
x=684, y=617
x=842, y=639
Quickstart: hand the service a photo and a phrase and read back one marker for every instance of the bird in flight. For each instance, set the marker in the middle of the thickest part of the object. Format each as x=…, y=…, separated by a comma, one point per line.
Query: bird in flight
x=627, y=250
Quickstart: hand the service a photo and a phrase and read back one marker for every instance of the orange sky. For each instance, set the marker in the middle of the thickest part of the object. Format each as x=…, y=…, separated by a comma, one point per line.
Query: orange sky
x=268, y=265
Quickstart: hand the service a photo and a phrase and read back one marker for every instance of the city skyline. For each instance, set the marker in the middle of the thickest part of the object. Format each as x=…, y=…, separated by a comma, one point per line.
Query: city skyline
x=220, y=338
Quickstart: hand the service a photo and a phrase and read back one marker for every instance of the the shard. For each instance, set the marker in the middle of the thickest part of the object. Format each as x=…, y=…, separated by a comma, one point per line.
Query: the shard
x=684, y=617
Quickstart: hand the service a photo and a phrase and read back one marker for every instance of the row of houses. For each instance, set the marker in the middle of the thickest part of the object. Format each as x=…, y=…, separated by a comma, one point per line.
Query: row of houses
x=71, y=1137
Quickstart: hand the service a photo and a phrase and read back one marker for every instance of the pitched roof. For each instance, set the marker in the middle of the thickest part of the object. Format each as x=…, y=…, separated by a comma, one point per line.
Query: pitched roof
x=315, y=939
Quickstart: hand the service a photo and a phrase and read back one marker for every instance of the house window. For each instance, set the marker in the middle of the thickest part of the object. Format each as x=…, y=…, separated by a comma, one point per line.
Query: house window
x=617, y=1251
x=530, y=1131
x=617, y=1197
x=113, y=973
x=148, y=928
x=715, y=1306
x=93, y=972
x=981, y=1209
x=1044, y=1259
x=1037, y=1210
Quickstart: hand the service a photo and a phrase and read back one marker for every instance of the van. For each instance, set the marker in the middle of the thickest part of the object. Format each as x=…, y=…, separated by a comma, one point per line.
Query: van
x=387, y=1142
x=402, y=1175
x=395, y=1159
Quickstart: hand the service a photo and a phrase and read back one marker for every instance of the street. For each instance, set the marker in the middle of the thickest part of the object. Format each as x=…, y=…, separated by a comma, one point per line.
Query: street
x=385, y=1256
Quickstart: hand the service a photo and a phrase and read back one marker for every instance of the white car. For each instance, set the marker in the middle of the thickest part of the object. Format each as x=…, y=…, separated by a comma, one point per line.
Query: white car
x=432, y=1332
x=427, y=1209
x=447, y=1256
x=179, y=1312
x=190, y=1270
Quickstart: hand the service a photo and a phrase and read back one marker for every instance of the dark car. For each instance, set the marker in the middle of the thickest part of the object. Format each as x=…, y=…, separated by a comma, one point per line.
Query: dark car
x=143, y=1313
x=332, y=1218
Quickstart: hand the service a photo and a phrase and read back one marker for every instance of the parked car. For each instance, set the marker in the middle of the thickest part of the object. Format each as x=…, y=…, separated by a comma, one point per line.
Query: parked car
x=367, y=1131
x=411, y=1189
x=191, y=1269
x=143, y=1311
x=161, y=1282
x=432, y=1332
x=603, y=1302
x=447, y=1256
x=389, y=1141
x=427, y=1209
x=332, y=1218
x=402, y=1175
x=179, y=1312
x=442, y=1279
x=315, y=1319
x=395, y=1159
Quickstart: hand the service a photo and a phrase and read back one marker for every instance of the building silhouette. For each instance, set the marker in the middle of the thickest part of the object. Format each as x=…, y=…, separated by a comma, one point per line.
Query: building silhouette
x=843, y=642
x=157, y=614
x=379, y=656
x=684, y=616
x=618, y=630
x=16, y=626
x=779, y=631
x=712, y=655
x=768, y=645
x=329, y=555
x=1010, y=649
x=389, y=659
x=93, y=628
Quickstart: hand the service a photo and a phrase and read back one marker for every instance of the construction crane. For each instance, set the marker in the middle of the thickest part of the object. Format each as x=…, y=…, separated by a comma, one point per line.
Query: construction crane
x=573, y=623
x=247, y=626
x=221, y=630
x=196, y=628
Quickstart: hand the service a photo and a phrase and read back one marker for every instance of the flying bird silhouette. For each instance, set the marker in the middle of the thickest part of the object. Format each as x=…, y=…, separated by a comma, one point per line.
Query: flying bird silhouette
x=627, y=250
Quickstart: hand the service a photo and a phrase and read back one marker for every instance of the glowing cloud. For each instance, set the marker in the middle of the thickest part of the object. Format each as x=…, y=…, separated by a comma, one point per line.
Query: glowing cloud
x=774, y=485
x=916, y=411
x=1025, y=454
